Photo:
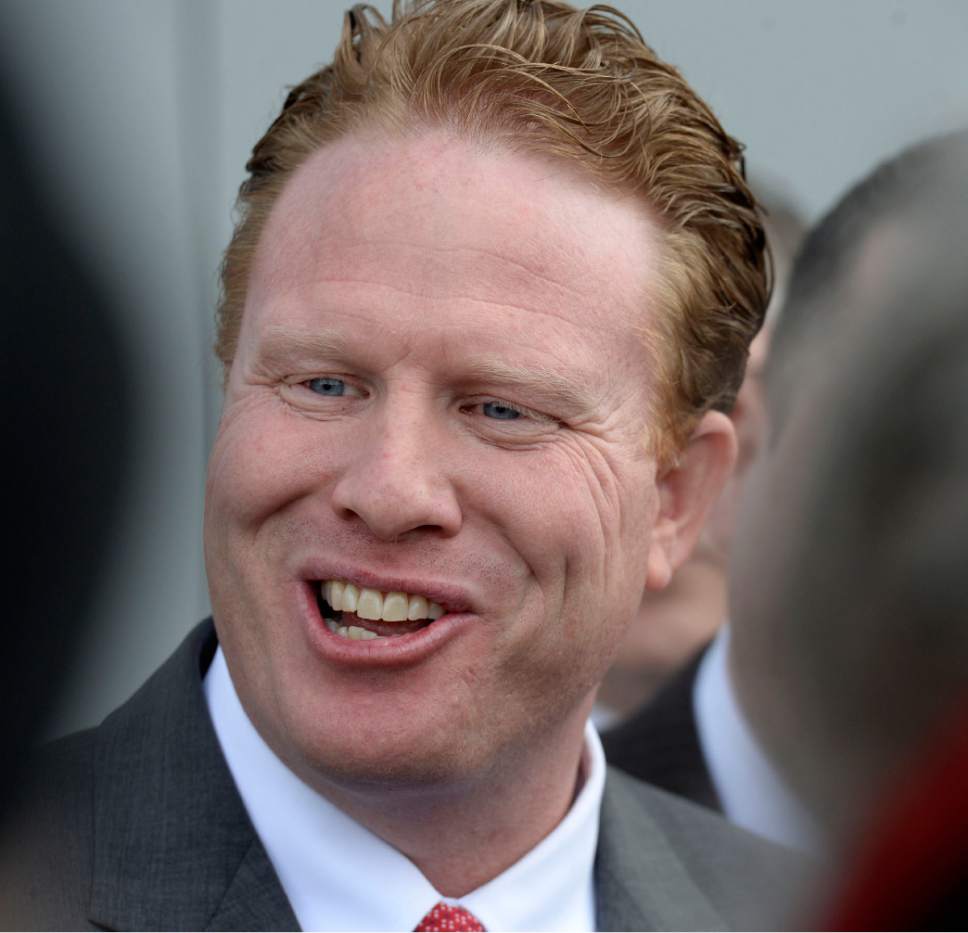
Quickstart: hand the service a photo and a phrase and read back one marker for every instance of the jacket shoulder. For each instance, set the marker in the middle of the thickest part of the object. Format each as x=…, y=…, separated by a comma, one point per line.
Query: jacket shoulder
x=75, y=788
x=46, y=854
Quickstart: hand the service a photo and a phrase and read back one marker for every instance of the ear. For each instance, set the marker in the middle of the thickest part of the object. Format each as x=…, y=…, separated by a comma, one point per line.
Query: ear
x=687, y=491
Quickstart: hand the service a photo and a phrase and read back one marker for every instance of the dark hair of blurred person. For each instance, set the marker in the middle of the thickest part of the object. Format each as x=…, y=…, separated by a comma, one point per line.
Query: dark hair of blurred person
x=837, y=260
x=66, y=443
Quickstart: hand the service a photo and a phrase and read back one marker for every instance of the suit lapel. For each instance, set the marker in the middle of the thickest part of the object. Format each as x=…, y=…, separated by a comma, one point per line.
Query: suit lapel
x=254, y=899
x=173, y=844
x=640, y=883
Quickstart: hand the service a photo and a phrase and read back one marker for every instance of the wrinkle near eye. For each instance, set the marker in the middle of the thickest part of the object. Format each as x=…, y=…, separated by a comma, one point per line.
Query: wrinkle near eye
x=591, y=457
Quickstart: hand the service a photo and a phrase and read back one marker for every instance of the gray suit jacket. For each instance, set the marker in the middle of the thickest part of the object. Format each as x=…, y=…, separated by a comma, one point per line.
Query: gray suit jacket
x=137, y=824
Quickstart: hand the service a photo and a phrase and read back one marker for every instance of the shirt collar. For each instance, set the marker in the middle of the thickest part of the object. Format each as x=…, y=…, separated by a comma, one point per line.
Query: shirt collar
x=339, y=876
x=751, y=790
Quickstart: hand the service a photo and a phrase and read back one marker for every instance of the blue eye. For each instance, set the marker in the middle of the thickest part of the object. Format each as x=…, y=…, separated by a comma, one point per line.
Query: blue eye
x=500, y=411
x=327, y=386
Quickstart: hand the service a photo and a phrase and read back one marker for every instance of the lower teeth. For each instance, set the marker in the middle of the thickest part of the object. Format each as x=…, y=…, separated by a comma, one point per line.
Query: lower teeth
x=353, y=632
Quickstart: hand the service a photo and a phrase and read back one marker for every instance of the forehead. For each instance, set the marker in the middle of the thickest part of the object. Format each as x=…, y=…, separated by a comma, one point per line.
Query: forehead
x=458, y=233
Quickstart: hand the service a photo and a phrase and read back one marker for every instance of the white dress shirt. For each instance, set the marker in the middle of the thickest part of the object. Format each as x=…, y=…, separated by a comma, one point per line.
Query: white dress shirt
x=751, y=791
x=339, y=876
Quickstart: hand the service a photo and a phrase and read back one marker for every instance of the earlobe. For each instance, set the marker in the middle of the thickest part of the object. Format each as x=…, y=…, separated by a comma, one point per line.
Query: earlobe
x=687, y=492
x=659, y=570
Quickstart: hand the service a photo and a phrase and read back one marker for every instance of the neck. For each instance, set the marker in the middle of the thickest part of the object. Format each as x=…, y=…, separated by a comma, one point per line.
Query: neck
x=462, y=834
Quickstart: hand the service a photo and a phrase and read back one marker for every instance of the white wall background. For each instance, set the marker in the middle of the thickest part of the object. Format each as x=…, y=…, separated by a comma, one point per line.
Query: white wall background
x=142, y=113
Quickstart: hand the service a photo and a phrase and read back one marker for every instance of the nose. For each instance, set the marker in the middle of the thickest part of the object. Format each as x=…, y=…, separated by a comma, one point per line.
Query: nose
x=395, y=481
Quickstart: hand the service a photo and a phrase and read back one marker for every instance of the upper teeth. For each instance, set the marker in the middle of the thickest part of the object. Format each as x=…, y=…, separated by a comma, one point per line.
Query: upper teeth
x=375, y=605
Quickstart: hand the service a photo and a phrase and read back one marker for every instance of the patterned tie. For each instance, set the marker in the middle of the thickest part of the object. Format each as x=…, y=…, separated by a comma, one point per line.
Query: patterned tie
x=445, y=917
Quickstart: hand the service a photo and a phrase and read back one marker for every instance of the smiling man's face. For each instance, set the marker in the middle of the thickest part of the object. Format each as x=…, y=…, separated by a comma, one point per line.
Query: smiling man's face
x=438, y=392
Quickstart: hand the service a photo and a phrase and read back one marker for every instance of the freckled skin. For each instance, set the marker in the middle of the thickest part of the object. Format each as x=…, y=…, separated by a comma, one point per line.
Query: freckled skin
x=423, y=257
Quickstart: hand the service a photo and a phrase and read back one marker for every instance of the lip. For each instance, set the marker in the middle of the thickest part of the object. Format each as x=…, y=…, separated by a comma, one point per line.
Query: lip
x=398, y=651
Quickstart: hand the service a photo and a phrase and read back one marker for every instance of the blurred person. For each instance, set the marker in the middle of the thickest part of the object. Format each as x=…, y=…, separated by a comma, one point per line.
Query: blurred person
x=885, y=766
x=708, y=749
x=67, y=448
x=674, y=625
x=850, y=660
x=464, y=429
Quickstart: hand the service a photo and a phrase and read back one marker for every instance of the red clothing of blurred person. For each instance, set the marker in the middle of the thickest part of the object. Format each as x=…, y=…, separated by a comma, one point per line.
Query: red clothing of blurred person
x=912, y=871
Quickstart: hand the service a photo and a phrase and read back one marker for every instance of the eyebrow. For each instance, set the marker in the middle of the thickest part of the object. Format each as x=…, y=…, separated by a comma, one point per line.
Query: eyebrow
x=281, y=346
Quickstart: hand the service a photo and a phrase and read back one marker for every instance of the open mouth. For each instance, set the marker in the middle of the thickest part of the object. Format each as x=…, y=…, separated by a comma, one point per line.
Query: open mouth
x=362, y=613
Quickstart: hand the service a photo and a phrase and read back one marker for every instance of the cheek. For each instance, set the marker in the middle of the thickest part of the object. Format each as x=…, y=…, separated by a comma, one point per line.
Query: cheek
x=542, y=500
x=263, y=458
x=577, y=513
x=607, y=503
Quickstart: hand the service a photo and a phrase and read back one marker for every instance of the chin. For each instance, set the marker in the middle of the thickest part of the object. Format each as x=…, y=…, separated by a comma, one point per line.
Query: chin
x=389, y=766
x=350, y=749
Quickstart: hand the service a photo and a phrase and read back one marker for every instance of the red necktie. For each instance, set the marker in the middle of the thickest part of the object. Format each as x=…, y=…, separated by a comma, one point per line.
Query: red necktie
x=445, y=917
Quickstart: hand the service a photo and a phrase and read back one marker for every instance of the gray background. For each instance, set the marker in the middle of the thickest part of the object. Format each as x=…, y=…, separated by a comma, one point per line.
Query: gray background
x=142, y=112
